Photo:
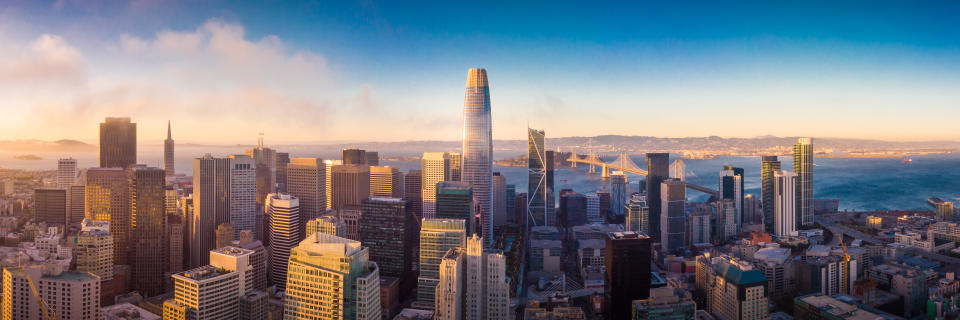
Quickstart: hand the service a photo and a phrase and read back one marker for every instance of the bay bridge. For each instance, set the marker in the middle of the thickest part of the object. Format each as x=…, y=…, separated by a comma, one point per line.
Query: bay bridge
x=625, y=164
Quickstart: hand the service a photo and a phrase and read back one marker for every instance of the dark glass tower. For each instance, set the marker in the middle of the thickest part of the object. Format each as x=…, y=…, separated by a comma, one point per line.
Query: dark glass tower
x=627, y=260
x=768, y=165
x=353, y=156
x=118, y=143
x=455, y=201
x=388, y=229
x=658, y=170
x=731, y=187
x=536, y=177
x=147, y=222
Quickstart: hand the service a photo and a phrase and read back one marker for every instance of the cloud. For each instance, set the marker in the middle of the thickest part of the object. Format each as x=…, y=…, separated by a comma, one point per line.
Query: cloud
x=47, y=60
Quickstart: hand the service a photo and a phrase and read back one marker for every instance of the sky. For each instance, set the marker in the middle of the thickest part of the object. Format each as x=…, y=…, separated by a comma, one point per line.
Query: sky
x=336, y=71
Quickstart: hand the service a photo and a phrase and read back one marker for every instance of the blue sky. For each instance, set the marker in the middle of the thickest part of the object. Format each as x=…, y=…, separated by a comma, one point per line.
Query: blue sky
x=385, y=71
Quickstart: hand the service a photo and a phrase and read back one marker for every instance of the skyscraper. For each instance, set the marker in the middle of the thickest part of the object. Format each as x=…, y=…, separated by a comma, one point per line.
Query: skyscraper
x=637, y=214
x=266, y=160
x=768, y=165
x=803, y=167
x=477, y=151
x=66, y=294
x=373, y=158
x=731, y=187
x=332, y=278
x=329, y=172
x=75, y=203
x=284, y=212
x=168, y=159
x=413, y=192
x=225, y=235
x=66, y=172
x=658, y=169
x=94, y=251
x=627, y=261
x=784, y=204
x=206, y=292
x=50, y=206
x=673, y=223
x=211, y=206
x=618, y=193
x=307, y=180
x=472, y=284
x=147, y=229
x=108, y=200
x=351, y=185
x=450, y=288
x=437, y=236
x=243, y=194
x=283, y=159
x=385, y=181
x=389, y=230
x=537, y=191
x=326, y=224
x=573, y=209
x=436, y=167
x=455, y=201
x=353, y=156
x=118, y=143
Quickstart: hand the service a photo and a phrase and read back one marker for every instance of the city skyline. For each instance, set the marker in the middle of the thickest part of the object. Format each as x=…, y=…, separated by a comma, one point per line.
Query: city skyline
x=68, y=63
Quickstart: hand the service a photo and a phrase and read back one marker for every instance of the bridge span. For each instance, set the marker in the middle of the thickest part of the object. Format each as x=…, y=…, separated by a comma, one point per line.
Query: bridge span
x=625, y=164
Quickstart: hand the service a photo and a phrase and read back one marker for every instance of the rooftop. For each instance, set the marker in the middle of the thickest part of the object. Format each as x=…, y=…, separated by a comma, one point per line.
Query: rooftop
x=232, y=251
x=838, y=308
x=127, y=311
x=202, y=273
x=621, y=235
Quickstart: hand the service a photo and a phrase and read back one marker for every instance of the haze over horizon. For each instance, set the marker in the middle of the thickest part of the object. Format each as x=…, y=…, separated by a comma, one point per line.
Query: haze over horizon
x=338, y=71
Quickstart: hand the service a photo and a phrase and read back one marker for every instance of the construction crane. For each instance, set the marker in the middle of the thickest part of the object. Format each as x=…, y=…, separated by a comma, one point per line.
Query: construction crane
x=846, y=266
x=44, y=311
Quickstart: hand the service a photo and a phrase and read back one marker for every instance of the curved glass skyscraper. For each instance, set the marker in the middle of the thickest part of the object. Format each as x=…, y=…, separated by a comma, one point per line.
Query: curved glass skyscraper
x=478, y=147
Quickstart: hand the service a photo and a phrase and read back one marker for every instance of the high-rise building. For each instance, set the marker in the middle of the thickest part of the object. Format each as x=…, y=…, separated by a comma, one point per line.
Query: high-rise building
x=726, y=226
x=258, y=259
x=450, y=288
x=537, y=189
x=731, y=288
x=385, y=182
x=700, y=228
x=239, y=260
x=627, y=262
x=752, y=211
x=118, y=143
x=437, y=236
x=351, y=219
x=389, y=230
x=803, y=167
x=665, y=303
x=768, y=165
x=618, y=192
x=327, y=224
x=637, y=215
x=283, y=159
x=353, y=156
x=225, y=235
x=455, y=201
x=66, y=172
x=593, y=208
x=332, y=278
x=94, y=250
x=205, y=292
x=108, y=199
x=784, y=204
x=499, y=200
x=472, y=284
x=731, y=187
x=174, y=246
x=778, y=266
x=243, y=193
x=673, y=223
x=658, y=169
x=75, y=203
x=413, y=192
x=284, y=212
x=50, y=206
x=168, y=157
x=266, y=161
x=329, y=172
x=351, y=185
x=148, y=212
x=573, y=209
x=477, y=151
x=373, y=158
x=306, y=180
x=511, y=200
x=66, y=294
x=211, y=206
x=436, y=167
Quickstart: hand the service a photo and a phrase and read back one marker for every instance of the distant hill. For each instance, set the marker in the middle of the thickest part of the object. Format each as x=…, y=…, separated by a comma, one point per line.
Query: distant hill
x=46, y=146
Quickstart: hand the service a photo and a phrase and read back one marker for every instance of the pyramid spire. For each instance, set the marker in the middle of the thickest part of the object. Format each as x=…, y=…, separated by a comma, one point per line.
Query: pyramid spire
x=169, y=137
